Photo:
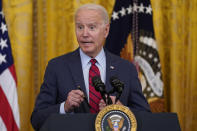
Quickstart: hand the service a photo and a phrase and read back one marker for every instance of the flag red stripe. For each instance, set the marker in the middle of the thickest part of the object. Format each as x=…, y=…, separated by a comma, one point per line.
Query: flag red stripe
x=12, y=70
x=6, y=113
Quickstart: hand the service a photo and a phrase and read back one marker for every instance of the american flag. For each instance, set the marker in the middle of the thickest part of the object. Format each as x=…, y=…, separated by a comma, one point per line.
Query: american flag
x=132, y=37
x=9, y=112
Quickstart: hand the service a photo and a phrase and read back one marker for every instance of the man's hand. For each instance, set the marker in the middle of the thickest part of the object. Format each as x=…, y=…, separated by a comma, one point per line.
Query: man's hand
x=113, y=98
x=74, y=99
x=102, y=104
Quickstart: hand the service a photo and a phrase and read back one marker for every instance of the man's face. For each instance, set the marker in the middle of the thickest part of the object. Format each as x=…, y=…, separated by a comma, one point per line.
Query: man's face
x=90, y=31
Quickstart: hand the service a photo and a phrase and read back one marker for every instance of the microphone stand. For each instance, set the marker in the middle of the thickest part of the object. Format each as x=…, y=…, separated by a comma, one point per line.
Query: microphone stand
x=109, y=101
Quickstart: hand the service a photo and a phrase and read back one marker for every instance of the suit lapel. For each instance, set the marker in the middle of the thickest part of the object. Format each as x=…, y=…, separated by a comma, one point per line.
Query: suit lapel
x=77, y=75
x=111, y=69
x=76, y=70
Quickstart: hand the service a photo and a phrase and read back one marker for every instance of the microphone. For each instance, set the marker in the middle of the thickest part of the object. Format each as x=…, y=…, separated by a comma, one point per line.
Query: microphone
x=118, y=87
x=99, y=86
x=85, y=98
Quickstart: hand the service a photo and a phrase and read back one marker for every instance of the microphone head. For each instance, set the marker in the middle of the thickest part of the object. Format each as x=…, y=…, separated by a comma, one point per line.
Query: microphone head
x=98, y=84
x=117, y=84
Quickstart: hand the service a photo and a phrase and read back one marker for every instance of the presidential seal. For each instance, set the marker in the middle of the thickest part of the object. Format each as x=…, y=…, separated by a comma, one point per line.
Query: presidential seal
x=115, y=118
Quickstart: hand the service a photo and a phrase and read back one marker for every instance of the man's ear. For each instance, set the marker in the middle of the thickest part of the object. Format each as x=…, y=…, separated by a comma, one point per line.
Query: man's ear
x=107, y=27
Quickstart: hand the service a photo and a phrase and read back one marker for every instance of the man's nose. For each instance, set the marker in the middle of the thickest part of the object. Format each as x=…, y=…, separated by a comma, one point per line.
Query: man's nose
x=85, y=32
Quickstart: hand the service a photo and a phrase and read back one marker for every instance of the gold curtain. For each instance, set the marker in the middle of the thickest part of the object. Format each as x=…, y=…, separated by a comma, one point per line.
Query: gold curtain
x=42, y=29
x=175, y=23
x=18, y=14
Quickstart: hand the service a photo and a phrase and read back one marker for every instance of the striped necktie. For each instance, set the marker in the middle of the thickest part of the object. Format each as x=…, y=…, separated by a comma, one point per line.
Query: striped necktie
x=94, y=96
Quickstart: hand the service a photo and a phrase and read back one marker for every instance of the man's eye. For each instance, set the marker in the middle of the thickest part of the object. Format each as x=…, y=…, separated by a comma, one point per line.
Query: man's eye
x=80, y=27
x=92, y=27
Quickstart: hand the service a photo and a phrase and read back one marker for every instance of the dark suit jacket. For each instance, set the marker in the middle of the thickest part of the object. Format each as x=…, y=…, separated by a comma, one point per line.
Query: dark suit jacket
x=64, y=74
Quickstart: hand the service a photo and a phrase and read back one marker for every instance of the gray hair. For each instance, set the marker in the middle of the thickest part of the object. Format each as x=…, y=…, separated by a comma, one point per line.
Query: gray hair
x=92, y=6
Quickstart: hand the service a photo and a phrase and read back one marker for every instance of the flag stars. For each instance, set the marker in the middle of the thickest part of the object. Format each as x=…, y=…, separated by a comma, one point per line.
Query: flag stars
x=115, y=15
x=2, y=58
x=135, y=7
x=129, y=9
x=1, y=13
x=141, y=8
x=3, y=44
x=122, y=12
x=148, y=10
x=3, y=27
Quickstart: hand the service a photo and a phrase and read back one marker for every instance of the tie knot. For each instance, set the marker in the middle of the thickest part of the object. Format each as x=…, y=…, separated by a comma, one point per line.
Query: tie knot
x=93, y=61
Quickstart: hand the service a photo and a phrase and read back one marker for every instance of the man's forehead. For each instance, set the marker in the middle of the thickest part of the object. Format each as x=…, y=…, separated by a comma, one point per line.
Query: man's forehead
x=88, y=23
x=88, y=16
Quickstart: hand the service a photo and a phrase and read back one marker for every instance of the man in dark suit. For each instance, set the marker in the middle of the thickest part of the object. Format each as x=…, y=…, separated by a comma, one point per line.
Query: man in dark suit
x=59, y=92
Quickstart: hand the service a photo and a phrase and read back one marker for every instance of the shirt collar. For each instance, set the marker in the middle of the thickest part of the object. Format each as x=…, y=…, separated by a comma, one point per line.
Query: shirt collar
x=85, y=58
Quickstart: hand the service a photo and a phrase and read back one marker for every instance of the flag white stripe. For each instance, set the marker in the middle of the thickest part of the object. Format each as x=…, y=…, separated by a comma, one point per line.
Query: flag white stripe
x=8, y=85
x=2, y=125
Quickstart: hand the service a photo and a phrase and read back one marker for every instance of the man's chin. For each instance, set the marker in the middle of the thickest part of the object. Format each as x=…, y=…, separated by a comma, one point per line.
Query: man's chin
x=89, y=53
x=87, y=48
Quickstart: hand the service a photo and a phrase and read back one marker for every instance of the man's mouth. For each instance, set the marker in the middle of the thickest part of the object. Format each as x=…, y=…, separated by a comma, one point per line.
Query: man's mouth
x=87, y=42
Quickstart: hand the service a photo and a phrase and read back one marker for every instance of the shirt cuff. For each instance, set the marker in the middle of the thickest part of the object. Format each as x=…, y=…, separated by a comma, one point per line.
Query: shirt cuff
x=62, y=111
